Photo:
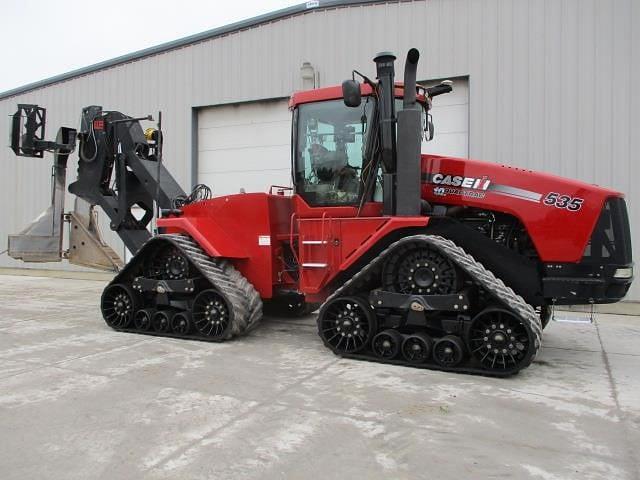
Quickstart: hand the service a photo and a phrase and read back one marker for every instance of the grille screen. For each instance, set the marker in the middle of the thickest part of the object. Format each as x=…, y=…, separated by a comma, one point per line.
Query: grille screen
x=611, y=238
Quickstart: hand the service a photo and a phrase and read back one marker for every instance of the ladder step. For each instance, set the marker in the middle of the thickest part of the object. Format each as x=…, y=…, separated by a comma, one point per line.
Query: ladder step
x=314, y=265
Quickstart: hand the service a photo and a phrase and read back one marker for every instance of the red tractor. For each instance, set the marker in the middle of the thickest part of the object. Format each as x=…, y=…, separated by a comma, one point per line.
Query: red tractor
x=415, y=259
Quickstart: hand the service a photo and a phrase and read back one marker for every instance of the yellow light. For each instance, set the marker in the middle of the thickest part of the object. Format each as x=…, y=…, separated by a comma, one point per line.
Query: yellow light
x=149, y=132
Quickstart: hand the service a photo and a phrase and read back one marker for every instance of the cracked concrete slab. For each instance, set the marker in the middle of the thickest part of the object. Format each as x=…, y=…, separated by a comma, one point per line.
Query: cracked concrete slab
x=80, y=401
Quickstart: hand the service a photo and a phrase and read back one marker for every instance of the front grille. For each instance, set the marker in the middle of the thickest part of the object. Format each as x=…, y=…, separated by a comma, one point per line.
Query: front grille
x=611, y=238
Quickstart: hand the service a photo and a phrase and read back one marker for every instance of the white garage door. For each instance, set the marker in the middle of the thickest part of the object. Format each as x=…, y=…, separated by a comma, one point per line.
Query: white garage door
x=248, y=145
x=244, y=146
x=451, y=121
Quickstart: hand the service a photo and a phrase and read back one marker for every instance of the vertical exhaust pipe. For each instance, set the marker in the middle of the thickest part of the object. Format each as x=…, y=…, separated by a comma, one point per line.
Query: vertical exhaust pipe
x=410, y=69
x=409, y=123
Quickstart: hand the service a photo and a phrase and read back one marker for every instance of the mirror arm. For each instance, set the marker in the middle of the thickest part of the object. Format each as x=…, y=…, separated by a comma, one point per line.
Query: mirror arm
x=366, y=79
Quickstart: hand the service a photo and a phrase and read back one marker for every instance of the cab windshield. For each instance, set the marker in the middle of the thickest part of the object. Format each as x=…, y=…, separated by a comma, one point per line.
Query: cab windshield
x=330, y=147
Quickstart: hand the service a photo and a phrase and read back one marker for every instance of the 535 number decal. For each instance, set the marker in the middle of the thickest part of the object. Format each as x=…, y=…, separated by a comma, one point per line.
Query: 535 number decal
x=572, y=204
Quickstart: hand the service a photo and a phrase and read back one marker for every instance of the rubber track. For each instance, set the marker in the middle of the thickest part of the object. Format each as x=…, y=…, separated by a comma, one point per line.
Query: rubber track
x=247, y=304
x=478, y=273
x=245, y=301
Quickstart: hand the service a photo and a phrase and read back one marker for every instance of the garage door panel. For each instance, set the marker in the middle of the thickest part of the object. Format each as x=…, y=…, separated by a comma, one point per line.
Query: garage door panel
x=239, y=160
x=259, y=112
x=229, y=183
x=242, y=136
x=244, y=146
x=450, y=121
x=450, y=118
x=450, y=144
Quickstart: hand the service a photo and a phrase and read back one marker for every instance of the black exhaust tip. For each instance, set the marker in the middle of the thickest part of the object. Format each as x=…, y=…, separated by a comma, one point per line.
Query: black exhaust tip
x=410, y=70
x=413, y=55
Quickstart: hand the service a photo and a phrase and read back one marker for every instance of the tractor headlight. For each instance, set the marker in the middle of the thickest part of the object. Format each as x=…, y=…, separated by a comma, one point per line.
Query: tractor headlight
x=626, y=272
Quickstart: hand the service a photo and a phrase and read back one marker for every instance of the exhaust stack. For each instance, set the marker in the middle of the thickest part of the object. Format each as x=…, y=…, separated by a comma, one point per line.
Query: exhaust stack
x=407, y=191
x=410, y=70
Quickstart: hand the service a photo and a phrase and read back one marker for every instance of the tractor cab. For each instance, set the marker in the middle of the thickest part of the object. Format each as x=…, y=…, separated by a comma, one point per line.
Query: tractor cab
x=334, y=144
x=344, y=140
x=330, y=153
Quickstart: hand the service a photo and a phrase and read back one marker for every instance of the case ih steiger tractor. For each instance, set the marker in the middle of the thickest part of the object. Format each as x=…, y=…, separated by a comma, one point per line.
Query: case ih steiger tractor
x=415, y=259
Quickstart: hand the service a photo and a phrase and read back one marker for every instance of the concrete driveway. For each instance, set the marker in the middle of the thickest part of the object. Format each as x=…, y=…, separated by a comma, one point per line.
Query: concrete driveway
x=79, y=401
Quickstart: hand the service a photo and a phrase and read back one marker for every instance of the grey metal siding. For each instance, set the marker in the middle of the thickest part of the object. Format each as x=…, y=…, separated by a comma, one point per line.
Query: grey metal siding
x=552, y=84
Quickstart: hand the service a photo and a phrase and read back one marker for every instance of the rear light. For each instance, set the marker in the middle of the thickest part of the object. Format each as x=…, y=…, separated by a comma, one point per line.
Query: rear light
x=626, y=272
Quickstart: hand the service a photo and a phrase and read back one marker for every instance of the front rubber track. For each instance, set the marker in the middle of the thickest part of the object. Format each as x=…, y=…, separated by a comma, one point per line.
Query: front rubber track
x=503, y=296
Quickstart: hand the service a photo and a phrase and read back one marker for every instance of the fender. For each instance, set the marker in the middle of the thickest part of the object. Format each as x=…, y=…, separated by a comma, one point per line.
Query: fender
x=202, y=230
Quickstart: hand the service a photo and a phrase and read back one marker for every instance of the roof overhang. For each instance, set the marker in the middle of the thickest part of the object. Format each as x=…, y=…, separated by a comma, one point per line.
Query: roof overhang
x=282, y=14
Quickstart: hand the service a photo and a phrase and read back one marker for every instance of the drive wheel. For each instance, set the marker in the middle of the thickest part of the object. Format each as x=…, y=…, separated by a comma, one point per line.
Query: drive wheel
x=448, y=351
x=168, y=263
x=417, y=348
x=181, y=323
x=387, y=344
x=211, y=314
x=422, y=270
x=118, y=304
x=346, y=324
x=142, y=320
x=499, y=340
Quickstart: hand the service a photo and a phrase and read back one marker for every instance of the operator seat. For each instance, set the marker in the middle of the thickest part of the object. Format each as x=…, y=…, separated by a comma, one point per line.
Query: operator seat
x=326, y=163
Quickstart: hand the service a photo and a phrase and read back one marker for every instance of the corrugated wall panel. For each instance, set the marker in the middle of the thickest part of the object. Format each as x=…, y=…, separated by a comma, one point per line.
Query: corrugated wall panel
x=552, y=84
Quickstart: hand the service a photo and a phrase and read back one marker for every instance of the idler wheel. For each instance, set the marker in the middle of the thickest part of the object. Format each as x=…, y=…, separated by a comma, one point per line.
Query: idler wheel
x=118, y=304
x=387, y=344
x=417, y=347
x=211, y=314
x=499, y=340
x=419, y=269
x=168, y=263
x=448, y=351
x=346, y=324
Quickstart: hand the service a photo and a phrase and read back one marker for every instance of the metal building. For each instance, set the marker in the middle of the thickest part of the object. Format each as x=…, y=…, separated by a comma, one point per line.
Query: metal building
x=541, y=84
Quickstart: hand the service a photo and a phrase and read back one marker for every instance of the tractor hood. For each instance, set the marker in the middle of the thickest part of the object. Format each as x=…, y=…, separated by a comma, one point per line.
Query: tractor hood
x=559, y=213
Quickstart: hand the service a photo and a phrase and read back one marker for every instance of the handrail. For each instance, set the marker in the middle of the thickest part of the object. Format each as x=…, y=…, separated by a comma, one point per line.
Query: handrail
x=293, y=250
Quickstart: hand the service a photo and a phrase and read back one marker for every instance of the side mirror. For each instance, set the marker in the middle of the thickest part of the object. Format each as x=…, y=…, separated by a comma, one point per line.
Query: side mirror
x=351, y=93
x=429, y=130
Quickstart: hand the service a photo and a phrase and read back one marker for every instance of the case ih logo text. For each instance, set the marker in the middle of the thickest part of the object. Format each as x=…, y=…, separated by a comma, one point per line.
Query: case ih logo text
x=474, y=183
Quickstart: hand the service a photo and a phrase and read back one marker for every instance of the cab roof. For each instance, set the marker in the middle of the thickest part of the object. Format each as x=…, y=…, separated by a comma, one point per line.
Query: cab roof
x=335, y=93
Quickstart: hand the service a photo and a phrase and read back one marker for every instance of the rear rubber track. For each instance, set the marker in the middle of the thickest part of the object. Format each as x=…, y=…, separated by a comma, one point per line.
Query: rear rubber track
x=240, y=295
x=230, y=282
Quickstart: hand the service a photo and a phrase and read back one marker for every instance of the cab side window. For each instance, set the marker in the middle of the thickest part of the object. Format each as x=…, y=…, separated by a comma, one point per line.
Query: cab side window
x=330, y=149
